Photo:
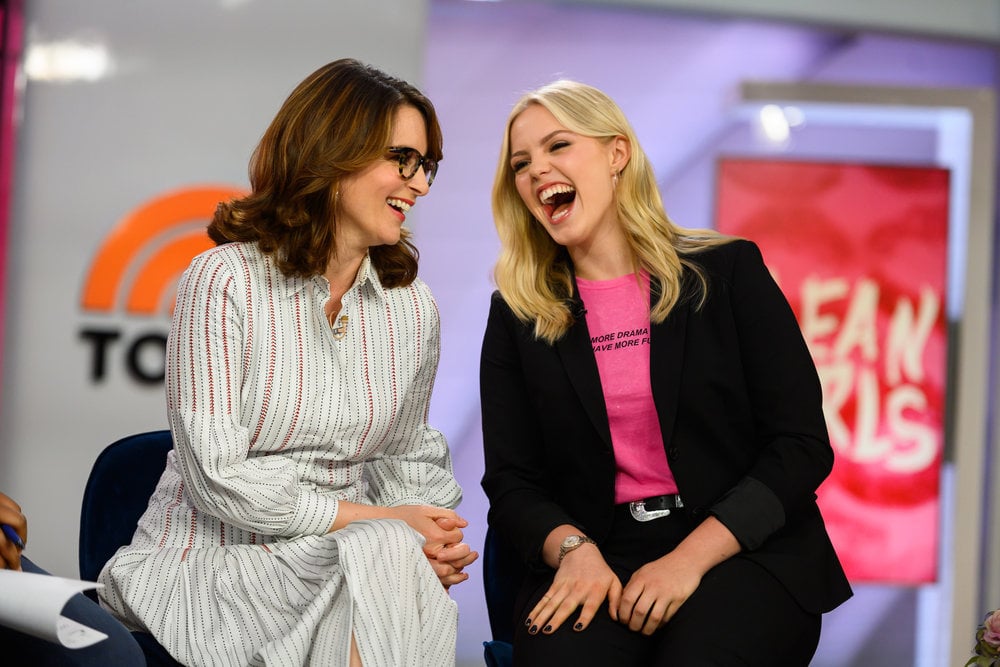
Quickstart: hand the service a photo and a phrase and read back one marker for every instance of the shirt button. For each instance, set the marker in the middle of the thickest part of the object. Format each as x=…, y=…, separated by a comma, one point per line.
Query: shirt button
x=672, y=453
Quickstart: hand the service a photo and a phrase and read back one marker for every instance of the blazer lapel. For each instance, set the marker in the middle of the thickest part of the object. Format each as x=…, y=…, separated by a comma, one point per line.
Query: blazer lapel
x=666, y=359
x=577, y=357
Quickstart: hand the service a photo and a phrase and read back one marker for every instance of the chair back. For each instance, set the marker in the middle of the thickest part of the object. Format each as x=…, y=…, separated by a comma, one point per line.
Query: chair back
x=117, y=492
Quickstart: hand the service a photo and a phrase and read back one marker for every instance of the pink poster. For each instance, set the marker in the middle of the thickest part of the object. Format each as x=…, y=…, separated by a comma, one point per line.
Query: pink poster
x=860, y=252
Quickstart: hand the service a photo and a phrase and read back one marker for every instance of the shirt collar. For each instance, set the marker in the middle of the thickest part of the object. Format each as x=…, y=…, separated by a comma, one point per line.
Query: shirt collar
x=367, y=275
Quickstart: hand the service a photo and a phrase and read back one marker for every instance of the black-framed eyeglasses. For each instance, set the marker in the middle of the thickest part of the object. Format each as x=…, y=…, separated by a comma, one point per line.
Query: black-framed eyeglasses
x=410, y=160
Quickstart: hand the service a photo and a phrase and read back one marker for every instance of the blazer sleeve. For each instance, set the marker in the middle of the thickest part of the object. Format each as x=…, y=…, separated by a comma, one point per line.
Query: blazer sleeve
x=794, y=455
x=515, y=478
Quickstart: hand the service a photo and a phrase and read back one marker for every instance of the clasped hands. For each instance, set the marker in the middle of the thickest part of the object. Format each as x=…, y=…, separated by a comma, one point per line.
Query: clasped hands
x=584, y=581
x=443, y=546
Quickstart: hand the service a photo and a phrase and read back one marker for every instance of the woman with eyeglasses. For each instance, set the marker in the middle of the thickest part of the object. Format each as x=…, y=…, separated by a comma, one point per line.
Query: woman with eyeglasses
x=652, y=419
x=305, y=515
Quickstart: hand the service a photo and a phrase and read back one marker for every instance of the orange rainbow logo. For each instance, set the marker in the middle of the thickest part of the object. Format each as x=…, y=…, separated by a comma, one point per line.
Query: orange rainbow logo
x=137, y=267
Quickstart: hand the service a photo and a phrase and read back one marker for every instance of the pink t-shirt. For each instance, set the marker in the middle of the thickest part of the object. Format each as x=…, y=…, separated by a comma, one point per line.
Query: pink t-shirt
x=618, y=320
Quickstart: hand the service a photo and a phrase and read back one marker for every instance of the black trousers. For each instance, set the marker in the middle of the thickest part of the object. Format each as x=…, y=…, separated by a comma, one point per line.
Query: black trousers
x=740, y=615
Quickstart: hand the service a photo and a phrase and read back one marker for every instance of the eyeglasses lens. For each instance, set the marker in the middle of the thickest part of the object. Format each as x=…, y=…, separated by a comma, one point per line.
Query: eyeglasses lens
x=410, y=160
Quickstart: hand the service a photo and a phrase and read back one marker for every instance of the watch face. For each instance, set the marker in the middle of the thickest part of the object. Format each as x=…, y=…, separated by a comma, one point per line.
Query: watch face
x=572, y=541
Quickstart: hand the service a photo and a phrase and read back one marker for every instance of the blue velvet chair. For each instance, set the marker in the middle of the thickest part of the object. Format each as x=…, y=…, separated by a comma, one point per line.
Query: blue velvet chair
x=502, y=575
x=117, y=492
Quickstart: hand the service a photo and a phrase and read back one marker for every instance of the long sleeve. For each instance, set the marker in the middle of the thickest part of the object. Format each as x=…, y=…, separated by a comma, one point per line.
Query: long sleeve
x=786, y=402
x=519, y=478
x=414, y=466
x=213, y=321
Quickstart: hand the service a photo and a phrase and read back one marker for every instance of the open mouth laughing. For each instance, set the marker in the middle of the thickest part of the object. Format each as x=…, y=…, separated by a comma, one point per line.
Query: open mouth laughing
x=557, y=201
x=399, y=205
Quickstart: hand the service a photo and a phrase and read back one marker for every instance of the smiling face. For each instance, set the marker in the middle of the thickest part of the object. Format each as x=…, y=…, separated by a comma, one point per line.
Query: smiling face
x=566, y=180
x=373, y=202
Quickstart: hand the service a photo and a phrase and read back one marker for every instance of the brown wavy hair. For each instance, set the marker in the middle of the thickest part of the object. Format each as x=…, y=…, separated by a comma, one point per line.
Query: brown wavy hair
x=335, y=123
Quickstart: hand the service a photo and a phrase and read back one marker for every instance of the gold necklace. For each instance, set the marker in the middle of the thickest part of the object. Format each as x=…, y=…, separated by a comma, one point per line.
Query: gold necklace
x=339, y=327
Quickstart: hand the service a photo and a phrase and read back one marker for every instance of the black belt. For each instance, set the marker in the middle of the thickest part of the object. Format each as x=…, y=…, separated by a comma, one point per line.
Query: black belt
x=648, y=509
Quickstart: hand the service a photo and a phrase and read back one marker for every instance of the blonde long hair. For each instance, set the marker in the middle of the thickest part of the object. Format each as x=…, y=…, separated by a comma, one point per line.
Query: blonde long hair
x=534, y=274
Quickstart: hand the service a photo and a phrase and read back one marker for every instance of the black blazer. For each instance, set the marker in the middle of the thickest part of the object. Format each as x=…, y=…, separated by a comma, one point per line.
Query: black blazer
x=740, y=409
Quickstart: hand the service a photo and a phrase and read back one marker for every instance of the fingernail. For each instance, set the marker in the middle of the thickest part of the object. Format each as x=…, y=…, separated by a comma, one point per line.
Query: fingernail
x=547, y=628
x=527, y=622
x=533, y=629
x=578, y=626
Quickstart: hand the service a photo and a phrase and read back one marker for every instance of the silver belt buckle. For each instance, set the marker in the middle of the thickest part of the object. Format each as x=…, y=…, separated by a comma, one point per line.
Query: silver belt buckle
x=639, y=513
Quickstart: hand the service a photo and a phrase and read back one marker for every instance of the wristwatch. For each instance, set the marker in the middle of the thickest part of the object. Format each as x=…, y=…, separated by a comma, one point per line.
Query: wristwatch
x=573, y=542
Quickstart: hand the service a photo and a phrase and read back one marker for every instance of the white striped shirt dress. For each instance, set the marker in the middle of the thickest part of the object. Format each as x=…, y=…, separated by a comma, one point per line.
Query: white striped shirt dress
x=275, y=420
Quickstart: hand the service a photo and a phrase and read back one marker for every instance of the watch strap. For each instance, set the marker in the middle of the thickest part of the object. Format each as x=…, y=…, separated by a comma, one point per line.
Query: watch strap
x=565, y=549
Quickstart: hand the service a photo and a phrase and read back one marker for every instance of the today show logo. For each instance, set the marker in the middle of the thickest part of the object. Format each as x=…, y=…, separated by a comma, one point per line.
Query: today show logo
x=132, y=281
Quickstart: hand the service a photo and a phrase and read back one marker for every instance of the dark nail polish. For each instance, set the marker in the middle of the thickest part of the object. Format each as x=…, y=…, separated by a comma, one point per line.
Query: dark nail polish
x=527, y=622
x=547, y=628
x=533, y=629
x=578, y=626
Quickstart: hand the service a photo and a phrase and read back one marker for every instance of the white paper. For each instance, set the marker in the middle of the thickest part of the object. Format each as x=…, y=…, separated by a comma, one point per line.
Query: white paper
x=33, y=603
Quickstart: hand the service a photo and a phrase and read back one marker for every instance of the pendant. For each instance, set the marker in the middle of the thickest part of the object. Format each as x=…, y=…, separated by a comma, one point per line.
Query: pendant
x=340, y=328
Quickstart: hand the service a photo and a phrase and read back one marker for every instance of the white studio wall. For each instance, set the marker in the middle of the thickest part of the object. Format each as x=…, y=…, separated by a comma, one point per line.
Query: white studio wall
x=189, y=88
